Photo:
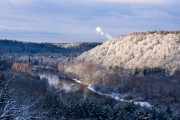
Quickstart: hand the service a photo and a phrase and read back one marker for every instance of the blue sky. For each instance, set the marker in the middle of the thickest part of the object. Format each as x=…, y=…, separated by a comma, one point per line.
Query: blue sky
x=76, y=20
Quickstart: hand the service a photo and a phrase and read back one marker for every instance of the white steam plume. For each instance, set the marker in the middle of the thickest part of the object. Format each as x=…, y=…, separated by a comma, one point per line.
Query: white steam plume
x=101, y=32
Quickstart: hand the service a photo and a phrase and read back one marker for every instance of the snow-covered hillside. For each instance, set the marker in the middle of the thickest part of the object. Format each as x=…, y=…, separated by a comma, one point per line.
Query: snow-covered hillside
x=138, y=50
x=79, y=47
x=77, y=44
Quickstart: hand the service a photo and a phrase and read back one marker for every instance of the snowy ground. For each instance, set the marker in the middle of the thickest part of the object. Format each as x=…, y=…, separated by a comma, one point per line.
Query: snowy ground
x=115, y=96
x=112, y=95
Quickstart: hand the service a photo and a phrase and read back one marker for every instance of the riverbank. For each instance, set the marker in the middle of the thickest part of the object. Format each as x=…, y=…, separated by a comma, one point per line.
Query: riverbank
x=115, y=96
x=112, y=95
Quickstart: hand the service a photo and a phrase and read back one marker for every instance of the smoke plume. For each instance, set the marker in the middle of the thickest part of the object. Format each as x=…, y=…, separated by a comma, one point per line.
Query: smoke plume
x=101, y=32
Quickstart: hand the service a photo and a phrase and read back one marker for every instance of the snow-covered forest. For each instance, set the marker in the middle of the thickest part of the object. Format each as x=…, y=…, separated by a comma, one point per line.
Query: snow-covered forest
x=138, y=50
x=48, y=54
x=136, y=67
x=25, y=96
x=12, y=46
x=133, y=77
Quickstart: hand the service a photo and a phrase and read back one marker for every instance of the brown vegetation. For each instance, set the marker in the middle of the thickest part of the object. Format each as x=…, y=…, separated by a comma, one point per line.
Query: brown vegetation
x=22, y=67
x=152, y=85
x=85, y=71
x=60, y=67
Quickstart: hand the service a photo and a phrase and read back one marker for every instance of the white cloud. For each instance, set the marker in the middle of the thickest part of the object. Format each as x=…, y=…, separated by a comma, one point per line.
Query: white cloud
x=140, y=2
x=147, y=2
x=137, y=1
x=16, y=2
x=20, y=1
x=134, y=2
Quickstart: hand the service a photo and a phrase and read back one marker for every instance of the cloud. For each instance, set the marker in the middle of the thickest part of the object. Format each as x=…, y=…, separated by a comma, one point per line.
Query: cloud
x=133, y=2
x=75, y=20
x=90, y=2
x=16, y=2
x=147, y=2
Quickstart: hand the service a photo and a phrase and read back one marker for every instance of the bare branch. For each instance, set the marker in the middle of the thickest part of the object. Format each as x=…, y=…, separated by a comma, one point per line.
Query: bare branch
x=6, y=85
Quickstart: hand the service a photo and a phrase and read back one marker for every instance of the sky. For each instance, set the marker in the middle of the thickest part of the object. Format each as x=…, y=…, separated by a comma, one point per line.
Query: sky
x=76, y=20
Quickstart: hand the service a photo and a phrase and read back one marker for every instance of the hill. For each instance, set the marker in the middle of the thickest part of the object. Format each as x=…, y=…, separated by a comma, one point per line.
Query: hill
x=42, y=53
x=11, y=46
x=78, y=46
x=136, y=67
x=138, y=50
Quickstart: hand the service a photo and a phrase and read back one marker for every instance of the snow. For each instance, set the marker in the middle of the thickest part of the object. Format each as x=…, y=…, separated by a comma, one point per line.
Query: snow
x=137, y=51
x=78, y=81
x=116, y=96
x=36, y=67
x=69, y=45
x=112, y=95
x=143, y=104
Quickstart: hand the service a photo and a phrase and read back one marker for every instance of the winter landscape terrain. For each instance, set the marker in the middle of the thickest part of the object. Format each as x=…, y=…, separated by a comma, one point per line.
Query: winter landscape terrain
x=89, y=60
x=132, y=77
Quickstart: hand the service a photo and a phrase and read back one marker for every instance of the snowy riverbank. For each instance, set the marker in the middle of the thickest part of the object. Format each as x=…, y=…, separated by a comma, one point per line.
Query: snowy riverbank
x=114, y=95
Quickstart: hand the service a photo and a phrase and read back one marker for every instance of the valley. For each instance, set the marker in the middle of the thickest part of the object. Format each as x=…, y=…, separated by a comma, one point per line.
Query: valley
x=91, y=80
x=89, y=60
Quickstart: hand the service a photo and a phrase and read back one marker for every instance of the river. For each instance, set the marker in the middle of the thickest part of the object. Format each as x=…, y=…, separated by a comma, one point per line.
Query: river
x=63, y=83
x=60, y=82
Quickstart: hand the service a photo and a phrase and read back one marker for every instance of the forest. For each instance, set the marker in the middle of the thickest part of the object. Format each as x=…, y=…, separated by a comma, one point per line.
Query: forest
x=25, y=95
x=12, y=46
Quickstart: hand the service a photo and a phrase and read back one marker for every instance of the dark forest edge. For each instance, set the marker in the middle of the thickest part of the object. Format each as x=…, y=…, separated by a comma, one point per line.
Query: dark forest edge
x=12, y=46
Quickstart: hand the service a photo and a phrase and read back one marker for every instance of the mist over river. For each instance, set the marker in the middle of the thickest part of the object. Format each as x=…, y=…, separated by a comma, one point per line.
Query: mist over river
x=62, y=83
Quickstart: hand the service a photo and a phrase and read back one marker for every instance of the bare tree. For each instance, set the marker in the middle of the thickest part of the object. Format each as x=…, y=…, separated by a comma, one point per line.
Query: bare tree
x=10, y=108
x=7, y=105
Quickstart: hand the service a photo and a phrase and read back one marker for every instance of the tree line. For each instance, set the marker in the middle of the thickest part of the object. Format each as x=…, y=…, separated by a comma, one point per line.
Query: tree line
x=12, y=46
